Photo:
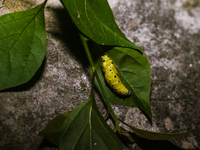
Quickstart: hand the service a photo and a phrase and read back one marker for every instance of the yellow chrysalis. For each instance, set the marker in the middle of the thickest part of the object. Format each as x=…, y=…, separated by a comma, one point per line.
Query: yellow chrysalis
x=112, y=76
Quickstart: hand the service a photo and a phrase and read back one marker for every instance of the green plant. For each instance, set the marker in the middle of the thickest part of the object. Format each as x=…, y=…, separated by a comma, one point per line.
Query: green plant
x=22, y=50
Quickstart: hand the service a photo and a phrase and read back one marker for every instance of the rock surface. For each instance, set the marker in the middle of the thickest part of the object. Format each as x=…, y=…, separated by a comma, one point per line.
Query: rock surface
x=168, y=32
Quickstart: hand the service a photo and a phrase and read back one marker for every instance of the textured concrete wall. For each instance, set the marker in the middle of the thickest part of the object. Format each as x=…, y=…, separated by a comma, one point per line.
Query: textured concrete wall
x=168, y=32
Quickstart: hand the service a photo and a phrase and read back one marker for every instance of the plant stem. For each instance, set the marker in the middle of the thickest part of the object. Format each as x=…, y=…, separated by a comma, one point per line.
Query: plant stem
x=123, y=122
x=84, y=41
x=109, y=105
x=108, y=112
x=45, y=2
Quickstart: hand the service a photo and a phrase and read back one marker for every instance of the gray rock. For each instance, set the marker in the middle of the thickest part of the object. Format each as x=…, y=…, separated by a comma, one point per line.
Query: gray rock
x=169, y=34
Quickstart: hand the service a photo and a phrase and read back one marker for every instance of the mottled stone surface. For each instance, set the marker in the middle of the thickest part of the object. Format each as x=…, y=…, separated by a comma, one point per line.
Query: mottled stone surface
x=168, y=32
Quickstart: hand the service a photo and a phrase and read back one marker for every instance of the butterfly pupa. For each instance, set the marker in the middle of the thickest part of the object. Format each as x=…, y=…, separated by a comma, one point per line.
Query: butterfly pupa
x=112, y=76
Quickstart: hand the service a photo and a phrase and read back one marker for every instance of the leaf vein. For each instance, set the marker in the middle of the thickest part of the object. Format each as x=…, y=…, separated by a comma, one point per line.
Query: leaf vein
x=80, y=136
x=18, y=19
x=8, y=36
x=100, y=139
x=104, y=126
x=22, y=32
x=110, y=30
x=74, y=118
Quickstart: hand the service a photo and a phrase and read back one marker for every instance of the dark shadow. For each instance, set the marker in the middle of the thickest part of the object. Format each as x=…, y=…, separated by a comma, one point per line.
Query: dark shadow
x=26, y=86
x=156, y=145
x=68, y=35
x=147, y=116
x=46, y=143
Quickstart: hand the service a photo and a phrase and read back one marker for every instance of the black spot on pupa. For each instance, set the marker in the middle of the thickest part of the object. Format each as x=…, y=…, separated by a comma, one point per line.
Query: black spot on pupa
x=115, y=76
x=103, y=60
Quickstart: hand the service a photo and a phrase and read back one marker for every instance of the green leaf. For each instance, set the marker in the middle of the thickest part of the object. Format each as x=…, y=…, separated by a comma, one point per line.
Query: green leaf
x=22, y=46
x=94, y=18
x=134, y=70
x=156, y=135
x=86, y=129
x=51, y=131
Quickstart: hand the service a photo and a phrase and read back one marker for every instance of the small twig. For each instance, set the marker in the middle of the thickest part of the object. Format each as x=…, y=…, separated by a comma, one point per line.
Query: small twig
x=108, y=112
x=1, y=5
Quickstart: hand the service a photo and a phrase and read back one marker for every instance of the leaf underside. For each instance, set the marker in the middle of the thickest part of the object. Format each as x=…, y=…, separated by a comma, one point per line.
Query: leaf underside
x=22, y=46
